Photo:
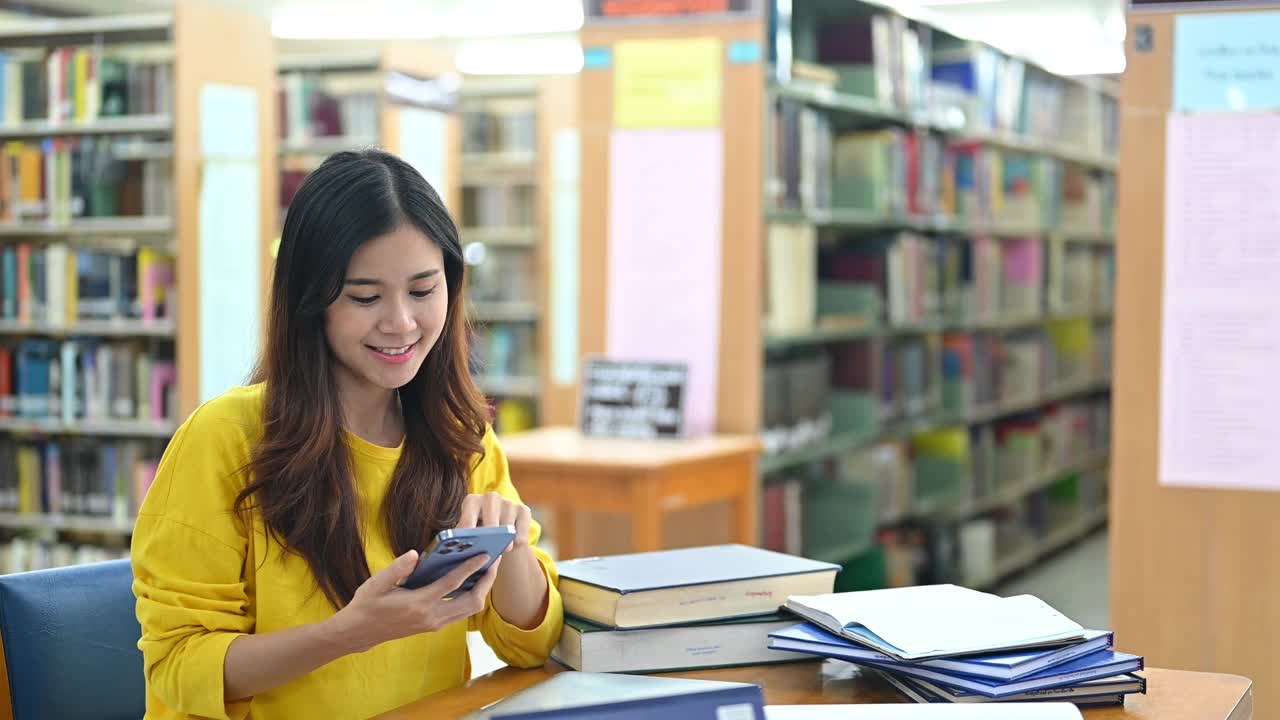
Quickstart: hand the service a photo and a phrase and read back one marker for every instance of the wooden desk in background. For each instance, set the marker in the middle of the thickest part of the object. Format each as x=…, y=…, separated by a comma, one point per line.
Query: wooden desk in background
x=1171, y=694
x=561, y=469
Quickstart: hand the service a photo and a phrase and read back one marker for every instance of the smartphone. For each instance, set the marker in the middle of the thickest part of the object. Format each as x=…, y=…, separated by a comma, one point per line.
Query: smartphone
x=453, y=547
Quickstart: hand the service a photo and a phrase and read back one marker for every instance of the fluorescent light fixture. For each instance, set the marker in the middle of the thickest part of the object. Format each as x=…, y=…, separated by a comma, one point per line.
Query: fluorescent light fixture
x=343, y=23
x=533, y=56
x=469, y=19
x=1086, y=61
x=502, y=18
x=1115, y=28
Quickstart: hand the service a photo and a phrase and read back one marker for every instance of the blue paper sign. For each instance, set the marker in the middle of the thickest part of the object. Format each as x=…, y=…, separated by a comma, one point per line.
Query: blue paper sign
x=596, y=58
x=744, y=51
x=1226, y=62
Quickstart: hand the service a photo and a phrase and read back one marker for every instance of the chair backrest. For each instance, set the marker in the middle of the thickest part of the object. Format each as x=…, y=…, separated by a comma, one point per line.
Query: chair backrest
x=70, y=640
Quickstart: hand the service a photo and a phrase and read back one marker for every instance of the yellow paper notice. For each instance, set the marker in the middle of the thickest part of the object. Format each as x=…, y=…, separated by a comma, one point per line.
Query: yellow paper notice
x=667, y=83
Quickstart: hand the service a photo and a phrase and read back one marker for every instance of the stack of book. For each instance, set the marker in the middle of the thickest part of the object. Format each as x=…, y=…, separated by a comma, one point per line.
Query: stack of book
x=946, y=644
x=682, y=609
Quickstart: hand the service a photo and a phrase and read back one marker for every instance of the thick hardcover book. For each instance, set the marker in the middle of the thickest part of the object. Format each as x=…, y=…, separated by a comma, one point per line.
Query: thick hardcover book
x=690, y=585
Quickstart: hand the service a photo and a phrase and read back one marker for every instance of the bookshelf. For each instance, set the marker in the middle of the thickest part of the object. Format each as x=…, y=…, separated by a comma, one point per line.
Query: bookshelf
x=501, y=223
x=934, y=348
x=398, y=96
x=105, y=305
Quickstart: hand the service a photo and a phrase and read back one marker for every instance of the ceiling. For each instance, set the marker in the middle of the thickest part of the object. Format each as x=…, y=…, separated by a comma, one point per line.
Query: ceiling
x=1069, y=36
x=1066, y=36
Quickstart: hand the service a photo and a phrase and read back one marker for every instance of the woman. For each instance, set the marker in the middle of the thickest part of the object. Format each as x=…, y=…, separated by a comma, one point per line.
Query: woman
x=268, y=552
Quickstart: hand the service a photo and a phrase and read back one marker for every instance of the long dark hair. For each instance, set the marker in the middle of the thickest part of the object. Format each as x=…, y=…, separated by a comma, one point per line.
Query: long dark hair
x=300, y=472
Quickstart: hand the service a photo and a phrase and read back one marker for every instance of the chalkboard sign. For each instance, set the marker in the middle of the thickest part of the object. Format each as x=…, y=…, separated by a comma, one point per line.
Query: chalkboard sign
x=633, y=399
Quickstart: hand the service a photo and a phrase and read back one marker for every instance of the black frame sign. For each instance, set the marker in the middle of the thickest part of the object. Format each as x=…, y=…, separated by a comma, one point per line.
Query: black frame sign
x=618, y=9
x=633, y=399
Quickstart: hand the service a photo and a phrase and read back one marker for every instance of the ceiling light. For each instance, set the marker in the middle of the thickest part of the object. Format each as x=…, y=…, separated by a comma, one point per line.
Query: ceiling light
x=1087, y=61
x=535, y=56
x=333, y=23
x=498, y=18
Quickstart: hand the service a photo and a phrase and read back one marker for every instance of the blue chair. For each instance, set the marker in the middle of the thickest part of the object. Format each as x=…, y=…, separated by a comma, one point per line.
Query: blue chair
x=70, y=640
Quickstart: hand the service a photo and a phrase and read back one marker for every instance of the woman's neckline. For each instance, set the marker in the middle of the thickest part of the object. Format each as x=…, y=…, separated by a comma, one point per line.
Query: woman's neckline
x=373, y=449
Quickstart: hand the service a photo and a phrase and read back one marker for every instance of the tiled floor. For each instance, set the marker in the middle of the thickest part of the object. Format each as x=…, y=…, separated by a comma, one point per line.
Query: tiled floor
x=1074, y=582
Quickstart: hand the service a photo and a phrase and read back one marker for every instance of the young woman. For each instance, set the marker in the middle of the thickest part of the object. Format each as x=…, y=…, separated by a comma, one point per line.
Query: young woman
x=268, y=552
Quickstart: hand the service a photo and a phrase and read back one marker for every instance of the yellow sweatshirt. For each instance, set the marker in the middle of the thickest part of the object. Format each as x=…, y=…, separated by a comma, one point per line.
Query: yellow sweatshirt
x=202, y=579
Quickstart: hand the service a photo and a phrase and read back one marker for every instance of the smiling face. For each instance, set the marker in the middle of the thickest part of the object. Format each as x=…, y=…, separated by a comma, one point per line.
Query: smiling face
x=390, y=312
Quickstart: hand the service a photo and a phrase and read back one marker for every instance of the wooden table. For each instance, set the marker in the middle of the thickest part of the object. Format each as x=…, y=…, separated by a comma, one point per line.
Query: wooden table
x=570, y=473
x=1171, y=694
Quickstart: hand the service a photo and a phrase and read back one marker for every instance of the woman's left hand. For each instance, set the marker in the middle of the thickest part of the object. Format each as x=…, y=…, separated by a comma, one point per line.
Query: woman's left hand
x=492, y=509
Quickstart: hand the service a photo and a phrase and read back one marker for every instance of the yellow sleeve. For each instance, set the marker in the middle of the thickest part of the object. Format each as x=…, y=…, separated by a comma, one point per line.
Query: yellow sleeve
x=188, y=555
x=514, y=645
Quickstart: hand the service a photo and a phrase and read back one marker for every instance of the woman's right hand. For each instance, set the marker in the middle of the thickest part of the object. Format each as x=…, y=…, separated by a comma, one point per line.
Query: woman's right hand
x=381, y=610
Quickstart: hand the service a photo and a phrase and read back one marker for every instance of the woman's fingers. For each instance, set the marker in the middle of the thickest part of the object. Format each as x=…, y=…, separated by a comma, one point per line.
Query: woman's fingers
x=469, y=516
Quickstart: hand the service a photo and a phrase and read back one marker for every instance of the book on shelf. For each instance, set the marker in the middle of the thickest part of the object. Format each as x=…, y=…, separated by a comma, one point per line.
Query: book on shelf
x=498, y=274
x=59, y=285
x=688, y=585
x=75, y=477
x=318, y=104
x=589, y=647
x=881, y=57
x=499, y=125
x=839, y=516
x=883, y=465
x=315, y=106
x=878, y=381
x=61, y=179
x=86, y=379
x=798, y=175
x=782, y=520
x=499, y=205
x=791, y=294
x=503, y=350
x=869, y=172
x=82, y=84
x=1090, y=121
x=22, y=554
x=795, y=395
x=1081, y=278
x=511, y=415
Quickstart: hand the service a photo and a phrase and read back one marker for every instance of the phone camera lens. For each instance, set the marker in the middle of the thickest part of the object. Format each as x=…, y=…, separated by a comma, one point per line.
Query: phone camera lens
x=465, y=546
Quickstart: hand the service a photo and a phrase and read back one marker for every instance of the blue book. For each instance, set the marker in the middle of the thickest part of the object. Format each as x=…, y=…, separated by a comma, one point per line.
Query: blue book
x=998, y=666
x=672, y=587
x=628, y=697
x=9, y=301
x=1089, y=690
x=1106, y=691
x=1104, y=663
x=33, y=383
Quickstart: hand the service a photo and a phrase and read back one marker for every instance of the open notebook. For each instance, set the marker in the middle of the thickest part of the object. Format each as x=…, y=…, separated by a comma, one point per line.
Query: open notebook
x=934, y=621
